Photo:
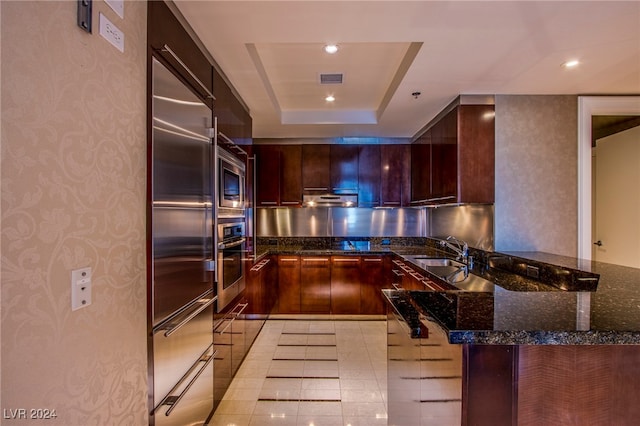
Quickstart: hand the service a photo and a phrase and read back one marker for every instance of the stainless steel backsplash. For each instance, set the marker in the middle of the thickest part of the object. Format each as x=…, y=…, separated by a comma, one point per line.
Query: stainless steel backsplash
x=340, y=222
x=472, y=223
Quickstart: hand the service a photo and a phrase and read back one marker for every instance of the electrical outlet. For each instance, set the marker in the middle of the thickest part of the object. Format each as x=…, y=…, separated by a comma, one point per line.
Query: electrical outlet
x=80, y=288
x=533, y=271
x=111, y=33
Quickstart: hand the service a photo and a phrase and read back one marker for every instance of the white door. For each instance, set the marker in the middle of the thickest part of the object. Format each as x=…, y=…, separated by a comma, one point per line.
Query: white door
x=616, y=195
x=589, y=106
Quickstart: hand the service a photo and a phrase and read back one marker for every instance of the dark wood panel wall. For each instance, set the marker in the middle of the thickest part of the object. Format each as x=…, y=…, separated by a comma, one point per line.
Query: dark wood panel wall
x=578, y=385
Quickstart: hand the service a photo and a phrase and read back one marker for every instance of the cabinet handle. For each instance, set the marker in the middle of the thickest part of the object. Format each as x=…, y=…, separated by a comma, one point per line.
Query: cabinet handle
x=398, y=273
x=289, y=260
x=260, y=265
x=397, y=262
x=173, y=400
x=244, y=306
x=291, y=203
x=166, y=48
x=391, y=203
x=372, y=260
x=430, y=285
x=311, y=259
x=230, y=320
x=268, y=203
x=346, y=260
x=315, y=189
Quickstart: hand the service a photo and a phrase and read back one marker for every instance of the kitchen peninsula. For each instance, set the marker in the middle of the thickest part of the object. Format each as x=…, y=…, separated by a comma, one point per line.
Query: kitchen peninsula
x=535, y=350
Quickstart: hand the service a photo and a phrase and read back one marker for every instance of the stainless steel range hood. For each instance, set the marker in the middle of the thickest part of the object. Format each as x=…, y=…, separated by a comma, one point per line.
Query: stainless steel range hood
x=330, y=200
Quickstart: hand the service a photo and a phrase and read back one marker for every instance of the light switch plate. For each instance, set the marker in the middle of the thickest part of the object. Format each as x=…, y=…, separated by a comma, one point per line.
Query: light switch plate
x=117, y=6
x=80, y=288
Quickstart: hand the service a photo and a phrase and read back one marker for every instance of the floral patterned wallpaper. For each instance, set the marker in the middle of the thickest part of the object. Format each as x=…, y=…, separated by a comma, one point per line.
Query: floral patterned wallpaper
x=73, y=195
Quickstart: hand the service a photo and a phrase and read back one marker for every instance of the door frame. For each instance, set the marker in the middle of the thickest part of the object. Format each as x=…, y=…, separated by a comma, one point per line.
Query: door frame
x=588, y=106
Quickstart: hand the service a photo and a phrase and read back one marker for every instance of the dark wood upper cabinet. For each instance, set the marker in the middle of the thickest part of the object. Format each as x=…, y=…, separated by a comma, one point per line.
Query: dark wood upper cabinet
x=344, y=169
x=234, y=121
x=316, y=173
x=454, y=160
x=268, y=167
x=164, y=29
x=395, y=175
x=444, y=165
x=291, y=175
x=369, y=176
x=279, y=175
x=421, y=169
x=330, y=169
x=476, y=154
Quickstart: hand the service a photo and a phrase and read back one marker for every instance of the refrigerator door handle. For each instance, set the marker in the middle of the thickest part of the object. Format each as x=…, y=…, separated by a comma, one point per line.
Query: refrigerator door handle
x=173, y=400
x=209, y=265
x=171, y=328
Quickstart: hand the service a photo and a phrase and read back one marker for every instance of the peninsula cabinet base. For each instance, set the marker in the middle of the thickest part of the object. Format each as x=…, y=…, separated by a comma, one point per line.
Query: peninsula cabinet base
x=550, y=385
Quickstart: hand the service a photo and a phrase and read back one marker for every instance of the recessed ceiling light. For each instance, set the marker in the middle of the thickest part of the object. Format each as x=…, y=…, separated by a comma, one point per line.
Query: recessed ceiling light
x=571, y=64
x=330, y=98
x=331, y=48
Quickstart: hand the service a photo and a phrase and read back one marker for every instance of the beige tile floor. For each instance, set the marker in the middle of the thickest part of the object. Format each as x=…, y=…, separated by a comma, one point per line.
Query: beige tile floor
x=311, y=373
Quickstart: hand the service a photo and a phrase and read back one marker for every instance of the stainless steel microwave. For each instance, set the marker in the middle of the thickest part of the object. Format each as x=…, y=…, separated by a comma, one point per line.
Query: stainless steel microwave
x=231, y=183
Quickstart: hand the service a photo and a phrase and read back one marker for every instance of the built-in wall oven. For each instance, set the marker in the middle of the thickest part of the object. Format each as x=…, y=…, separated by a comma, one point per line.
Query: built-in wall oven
x=231, y=256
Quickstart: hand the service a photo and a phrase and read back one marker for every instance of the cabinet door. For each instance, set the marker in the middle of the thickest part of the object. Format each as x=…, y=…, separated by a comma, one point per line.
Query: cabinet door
x=444, y=158
x=290, y=175
x=267, y=175
x=476, y=151
x=344, y=169
x=395, y=179
x=270, y=285
x=372, y=281
x=315, y=285
x=289, y=284
x=315, y=168
x=421, y=169
x=239, y=346
x=233, y=120
x=369, y=176
x=345, y=285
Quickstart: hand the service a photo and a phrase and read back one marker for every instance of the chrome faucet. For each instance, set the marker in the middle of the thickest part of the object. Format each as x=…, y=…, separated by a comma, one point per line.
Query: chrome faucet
x=460, y=247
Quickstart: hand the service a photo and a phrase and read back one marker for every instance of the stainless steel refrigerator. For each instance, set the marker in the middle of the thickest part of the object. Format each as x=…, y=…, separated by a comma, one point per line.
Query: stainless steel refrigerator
x=182, y=290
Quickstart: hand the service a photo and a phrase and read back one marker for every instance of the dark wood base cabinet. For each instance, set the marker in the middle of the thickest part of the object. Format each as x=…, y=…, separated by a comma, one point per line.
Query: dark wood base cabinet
x=315, y=285
x=551, y=385
x=348, y=284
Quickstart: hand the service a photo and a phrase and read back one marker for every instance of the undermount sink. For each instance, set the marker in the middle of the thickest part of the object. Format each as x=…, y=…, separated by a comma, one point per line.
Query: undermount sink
x=452, y=271
x=436, y=261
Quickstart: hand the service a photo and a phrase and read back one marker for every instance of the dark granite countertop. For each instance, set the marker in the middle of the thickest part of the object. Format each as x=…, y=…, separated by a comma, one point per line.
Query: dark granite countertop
x=520, y=310
x=608, y=315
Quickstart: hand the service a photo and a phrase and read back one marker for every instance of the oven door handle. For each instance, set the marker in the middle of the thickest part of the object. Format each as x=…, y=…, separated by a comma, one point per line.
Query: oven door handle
x=233, y=244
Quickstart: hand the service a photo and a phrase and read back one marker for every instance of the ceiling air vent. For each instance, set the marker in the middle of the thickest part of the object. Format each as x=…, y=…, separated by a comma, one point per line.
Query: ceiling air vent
x=331, y=78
